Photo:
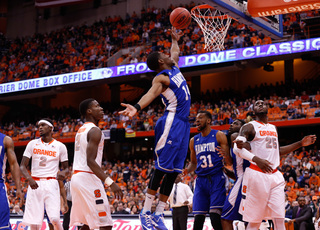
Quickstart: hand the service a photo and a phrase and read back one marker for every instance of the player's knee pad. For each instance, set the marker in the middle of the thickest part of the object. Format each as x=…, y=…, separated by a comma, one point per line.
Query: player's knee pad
x=155, y=179
x=167, y=183
x=216, y=219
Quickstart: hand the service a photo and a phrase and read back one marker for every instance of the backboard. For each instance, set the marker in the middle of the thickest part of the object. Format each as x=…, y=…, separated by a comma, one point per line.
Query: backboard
x=269, y=25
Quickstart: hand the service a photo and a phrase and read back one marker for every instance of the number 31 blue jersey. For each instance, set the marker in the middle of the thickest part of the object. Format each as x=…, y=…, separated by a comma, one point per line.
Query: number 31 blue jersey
x=208, y=160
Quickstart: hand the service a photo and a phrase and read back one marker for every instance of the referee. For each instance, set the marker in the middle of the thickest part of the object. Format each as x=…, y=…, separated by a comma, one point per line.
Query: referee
x=180, y=198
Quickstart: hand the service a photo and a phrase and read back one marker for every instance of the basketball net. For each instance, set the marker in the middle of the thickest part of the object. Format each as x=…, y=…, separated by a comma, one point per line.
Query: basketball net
x=214, y=25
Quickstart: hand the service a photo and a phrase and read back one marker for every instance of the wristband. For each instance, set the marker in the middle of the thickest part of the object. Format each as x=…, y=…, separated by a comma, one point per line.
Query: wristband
x=108, y=181
x=243, y=153
x=137, y=106
x=241, y=138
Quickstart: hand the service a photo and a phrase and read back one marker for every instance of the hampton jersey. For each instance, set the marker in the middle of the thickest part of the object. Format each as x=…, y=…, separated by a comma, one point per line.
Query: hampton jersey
x=45, y=157
x=177, y=96
x=239, y=164
x=3, y=158
x=80, y=148
x=265, y=143
x=208, y=160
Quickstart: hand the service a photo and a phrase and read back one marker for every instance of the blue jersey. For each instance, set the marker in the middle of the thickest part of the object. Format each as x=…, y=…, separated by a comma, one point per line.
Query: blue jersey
x=208, y=160
x=177, y=96
x=4, y=204
x=239, y=164
x=3, y=158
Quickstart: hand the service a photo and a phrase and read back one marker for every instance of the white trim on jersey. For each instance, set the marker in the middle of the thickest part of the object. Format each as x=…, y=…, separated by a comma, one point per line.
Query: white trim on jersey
x=172, y=99
x=163, y=139
x=4, y=165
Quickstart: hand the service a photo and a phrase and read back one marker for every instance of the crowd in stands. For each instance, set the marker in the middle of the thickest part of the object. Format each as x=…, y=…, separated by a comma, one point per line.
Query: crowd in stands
x=84, y=47
x=285, y=101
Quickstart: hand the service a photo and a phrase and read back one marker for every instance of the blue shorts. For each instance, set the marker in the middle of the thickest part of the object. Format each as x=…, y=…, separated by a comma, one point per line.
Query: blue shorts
x=230, y=209
x=171, y=143
x=209, y=193
x=4, y=208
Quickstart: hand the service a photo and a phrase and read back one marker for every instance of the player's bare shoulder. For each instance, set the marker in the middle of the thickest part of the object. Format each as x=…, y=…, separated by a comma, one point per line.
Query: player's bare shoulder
x=162, y=79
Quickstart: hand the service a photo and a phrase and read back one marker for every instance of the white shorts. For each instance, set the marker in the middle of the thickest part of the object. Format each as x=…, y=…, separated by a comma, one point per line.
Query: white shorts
x=46, y=196
x=90, y=204
x=263, y=196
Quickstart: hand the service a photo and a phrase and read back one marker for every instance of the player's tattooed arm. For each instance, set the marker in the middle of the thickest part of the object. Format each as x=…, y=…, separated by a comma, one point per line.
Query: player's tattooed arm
x=246, y=132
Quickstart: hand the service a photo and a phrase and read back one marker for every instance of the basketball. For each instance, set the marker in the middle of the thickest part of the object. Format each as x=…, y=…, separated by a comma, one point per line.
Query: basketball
x=180, y=18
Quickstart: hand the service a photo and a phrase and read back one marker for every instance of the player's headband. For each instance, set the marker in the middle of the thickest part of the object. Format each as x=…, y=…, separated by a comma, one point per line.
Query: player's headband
x=46, y=122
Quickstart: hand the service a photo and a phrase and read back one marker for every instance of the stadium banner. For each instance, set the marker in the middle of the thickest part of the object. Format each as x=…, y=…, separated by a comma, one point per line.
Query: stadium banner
x=131, y=223
x=282, y=48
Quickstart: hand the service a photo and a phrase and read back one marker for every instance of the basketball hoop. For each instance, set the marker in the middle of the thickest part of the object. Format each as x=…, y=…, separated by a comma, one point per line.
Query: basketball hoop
x=214, y=25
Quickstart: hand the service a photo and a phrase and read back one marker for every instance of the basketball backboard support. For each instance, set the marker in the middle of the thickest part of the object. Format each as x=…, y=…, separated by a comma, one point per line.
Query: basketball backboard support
x=270, y=25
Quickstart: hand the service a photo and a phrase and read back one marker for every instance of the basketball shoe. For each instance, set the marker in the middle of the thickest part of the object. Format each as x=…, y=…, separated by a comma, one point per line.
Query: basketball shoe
x=145, y=219
x=158, y=222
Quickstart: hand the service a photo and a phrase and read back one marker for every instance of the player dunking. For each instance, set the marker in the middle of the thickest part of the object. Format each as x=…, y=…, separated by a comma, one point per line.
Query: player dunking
x=43, y=190
x=90, y=204
x=210, y=192
x=7, y=152
x=264, y=186
x=171, y=131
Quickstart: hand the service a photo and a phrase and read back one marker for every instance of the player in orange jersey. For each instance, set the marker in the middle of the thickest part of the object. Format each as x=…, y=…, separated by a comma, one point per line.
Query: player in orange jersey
x=90, y=205
x=43, y=190
x=264, y=186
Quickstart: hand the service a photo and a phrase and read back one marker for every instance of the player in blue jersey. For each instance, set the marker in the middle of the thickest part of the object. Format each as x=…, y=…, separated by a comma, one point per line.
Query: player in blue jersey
x=230, y=211
x=205, y=160
x=7, y=152
x=171, y=132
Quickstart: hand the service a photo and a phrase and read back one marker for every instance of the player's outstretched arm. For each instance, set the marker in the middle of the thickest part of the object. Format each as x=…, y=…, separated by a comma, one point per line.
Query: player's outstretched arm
x=193, y=159
x=175, y=50
x=306, y=141
x=14, y=166
x=156, y=89
x=94, y=137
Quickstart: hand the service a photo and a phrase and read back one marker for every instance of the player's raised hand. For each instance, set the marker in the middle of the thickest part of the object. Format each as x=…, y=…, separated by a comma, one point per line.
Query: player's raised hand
x=174, y=34
x=264, y=165
x=308, y=140
x=129, y=111
x=116, y=190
